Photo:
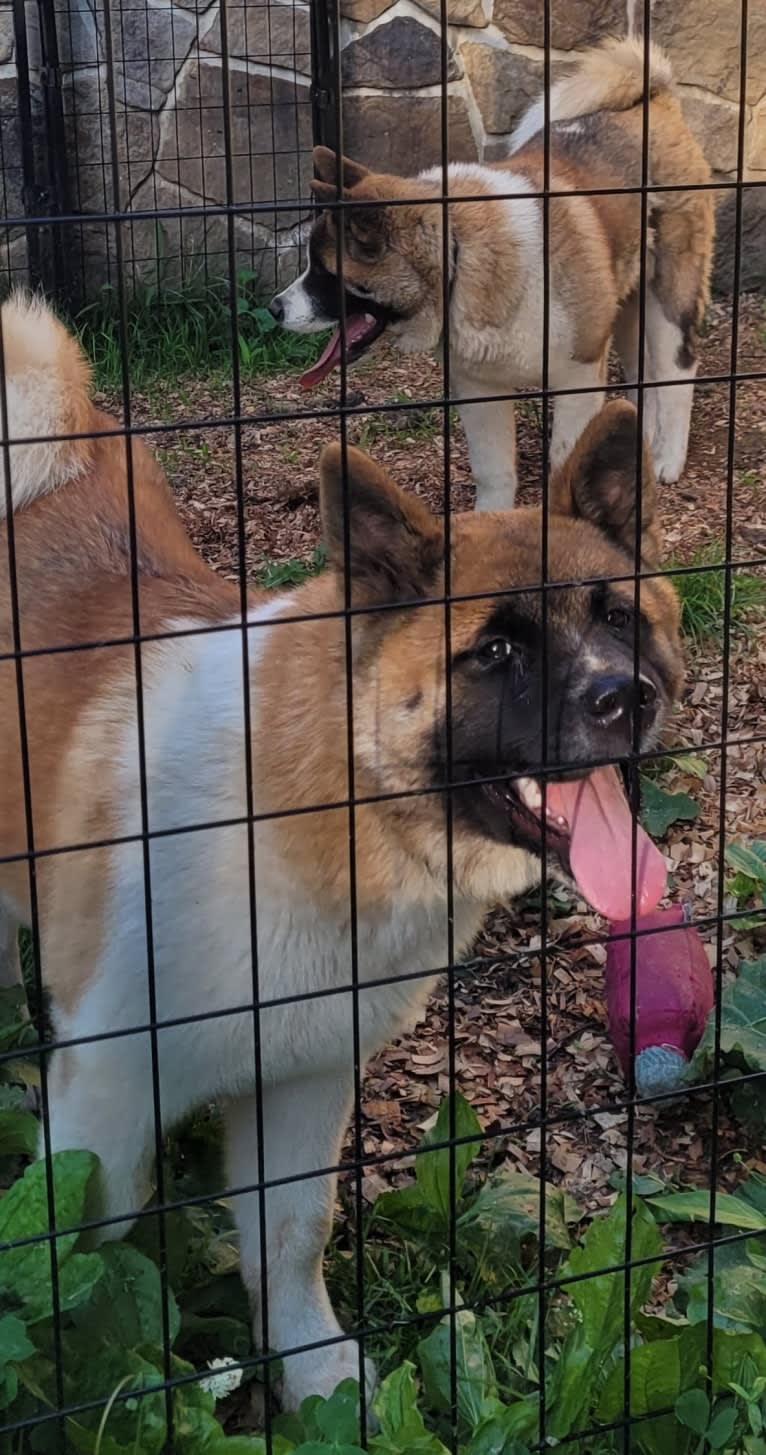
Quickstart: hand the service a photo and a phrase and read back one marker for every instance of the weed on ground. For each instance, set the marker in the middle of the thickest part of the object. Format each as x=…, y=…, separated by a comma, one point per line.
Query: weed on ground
x=279, y=574
x=703, y=593
x=170, y=331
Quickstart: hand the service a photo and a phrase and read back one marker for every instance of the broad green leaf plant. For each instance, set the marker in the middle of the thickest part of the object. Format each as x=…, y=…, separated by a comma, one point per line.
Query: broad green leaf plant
x=489, y=1402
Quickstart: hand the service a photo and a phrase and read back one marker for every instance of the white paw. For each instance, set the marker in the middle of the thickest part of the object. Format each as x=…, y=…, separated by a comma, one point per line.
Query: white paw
x=320, y=1371
x=669, y=468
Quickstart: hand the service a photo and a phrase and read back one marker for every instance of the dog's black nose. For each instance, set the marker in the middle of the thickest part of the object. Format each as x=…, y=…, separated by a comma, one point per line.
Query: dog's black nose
x=277, y=308
x=612, y=698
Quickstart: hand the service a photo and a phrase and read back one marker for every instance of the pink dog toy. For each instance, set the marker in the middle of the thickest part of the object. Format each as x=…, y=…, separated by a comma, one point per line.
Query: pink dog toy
x=674, y=996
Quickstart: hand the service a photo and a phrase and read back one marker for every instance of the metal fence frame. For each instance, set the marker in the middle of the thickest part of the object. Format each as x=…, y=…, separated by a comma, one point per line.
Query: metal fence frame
x=47, y=214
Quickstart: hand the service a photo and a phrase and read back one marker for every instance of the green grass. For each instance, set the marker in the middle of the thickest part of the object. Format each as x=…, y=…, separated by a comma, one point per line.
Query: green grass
x=464, y=1223
x=404, y=1278
x=187, y=329
x=186, y=450
x=407, y=424
x=703, y=594
x=292, y=572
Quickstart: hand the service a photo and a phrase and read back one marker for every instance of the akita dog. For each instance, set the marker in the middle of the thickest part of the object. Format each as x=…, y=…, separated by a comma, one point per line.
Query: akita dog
x=210, y=786
x=393, y=265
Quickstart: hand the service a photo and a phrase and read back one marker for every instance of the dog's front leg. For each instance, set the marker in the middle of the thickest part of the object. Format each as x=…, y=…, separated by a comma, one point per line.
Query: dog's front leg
x=490, y=431
x=304, y=1121
x=572, y=412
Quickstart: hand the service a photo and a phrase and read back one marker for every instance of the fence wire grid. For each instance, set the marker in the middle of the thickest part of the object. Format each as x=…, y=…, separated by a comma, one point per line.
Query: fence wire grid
x=109, y=192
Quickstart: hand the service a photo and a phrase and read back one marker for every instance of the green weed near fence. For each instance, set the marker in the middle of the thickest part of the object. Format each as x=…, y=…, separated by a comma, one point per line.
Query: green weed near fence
x=111, y=1321
x=187, y=329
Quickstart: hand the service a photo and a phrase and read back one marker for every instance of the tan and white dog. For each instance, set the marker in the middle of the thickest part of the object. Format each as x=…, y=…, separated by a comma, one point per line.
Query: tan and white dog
x=393, y=265
x=72, y=549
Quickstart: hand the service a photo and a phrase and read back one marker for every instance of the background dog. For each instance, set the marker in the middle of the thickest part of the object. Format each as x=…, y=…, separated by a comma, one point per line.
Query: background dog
x=393, y=265
x=86, y=765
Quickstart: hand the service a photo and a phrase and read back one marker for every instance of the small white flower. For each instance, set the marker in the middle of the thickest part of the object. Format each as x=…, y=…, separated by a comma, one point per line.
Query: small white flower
x=219, y=1385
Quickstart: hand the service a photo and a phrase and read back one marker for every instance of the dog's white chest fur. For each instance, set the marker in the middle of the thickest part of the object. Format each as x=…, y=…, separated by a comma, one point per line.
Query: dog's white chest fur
x=203, y=960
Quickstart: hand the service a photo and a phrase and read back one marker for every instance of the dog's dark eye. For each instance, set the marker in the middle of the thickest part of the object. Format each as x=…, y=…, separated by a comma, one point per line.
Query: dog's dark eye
x=618, y=618
x=497, y=650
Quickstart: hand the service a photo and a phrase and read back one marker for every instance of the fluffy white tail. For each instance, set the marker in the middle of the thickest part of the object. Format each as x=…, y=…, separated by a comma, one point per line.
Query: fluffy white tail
x=608, y=78
x=47, y=389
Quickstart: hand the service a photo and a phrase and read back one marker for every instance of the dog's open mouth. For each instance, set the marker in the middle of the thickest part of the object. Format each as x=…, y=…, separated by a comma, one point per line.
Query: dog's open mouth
x=589, y=828
x=362, y=329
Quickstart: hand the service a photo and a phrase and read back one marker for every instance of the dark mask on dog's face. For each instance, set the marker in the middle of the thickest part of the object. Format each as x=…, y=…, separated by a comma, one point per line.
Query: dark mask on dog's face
x=377, y=283
x=316, y=301
x=545, y=699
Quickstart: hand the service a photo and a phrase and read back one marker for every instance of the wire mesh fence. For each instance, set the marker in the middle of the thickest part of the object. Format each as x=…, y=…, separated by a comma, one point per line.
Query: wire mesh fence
x=412, y=851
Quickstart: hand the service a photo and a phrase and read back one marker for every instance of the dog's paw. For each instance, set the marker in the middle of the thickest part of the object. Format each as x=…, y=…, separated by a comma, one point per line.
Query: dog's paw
x=668, y=449
x=668, y=471
x=320, y=1371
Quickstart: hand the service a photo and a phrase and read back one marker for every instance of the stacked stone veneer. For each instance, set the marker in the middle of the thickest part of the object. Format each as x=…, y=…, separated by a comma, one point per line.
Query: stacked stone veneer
x=170, y=123
x=11, y=176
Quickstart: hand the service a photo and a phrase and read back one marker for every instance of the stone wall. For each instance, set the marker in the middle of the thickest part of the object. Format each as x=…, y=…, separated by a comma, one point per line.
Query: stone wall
x=168, y=152
x=496, y=66
x=13, y=246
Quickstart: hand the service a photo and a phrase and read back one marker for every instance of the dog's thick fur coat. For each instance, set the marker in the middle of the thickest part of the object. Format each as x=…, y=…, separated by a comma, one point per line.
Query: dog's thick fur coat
x=72, y=544
x=393, y=263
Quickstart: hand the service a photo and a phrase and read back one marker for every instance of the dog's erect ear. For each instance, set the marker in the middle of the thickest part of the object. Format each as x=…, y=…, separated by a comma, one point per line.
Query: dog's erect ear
x=395, y=544
x=367, y=230
x=326, y=167
x=598, y=481
x=325, y=192
x=364, y=226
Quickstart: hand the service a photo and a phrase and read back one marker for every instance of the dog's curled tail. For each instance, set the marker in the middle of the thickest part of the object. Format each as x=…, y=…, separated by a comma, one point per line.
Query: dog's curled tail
x=47, y=390
x=608, y=78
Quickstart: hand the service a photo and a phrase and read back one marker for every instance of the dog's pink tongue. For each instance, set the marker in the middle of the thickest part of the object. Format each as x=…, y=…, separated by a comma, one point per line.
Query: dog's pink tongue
x=601, y=845
x=357, y=326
